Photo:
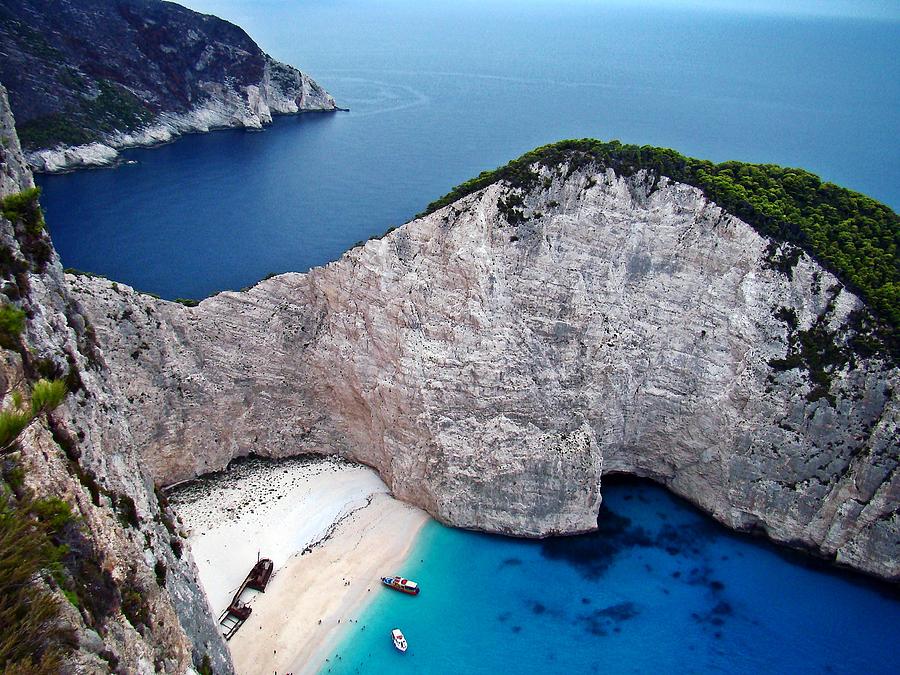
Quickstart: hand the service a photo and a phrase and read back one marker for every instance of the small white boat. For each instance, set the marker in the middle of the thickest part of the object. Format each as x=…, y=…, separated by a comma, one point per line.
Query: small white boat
x=399, y=640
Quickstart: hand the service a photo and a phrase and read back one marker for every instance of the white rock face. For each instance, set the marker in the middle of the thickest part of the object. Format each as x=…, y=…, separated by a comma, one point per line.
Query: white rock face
x=14, y=174
x=492, y=373
x=83, y=452
x=283, y=91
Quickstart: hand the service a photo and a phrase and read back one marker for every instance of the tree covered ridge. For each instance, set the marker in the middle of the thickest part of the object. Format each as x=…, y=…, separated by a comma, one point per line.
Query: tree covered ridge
x=848, y=233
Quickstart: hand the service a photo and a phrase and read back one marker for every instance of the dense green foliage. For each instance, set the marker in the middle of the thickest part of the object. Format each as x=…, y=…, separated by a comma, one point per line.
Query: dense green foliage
x=114, y=109
x=12, y=323
x=24, y=210
x=12, y=423
x=45, y=396
x=853, y=236
x=51, y=130
x=23, y=207
x=31, y=639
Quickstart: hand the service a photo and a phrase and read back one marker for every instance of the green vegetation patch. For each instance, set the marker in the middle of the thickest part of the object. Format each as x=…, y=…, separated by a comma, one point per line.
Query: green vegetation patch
x=45, y=396
x=12, y=323
x=114, y=108
x=24, y=210
x=29, y=39
x=32, y=640
x=48, y=131
x=851, y=235
x=24, y=207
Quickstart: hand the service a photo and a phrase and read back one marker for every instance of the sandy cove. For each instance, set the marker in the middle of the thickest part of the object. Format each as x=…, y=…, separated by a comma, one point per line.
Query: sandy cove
x=323, y=522
x=295, y=624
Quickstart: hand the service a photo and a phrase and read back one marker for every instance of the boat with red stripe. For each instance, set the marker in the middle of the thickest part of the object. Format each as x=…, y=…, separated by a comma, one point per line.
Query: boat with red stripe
x=401, y=584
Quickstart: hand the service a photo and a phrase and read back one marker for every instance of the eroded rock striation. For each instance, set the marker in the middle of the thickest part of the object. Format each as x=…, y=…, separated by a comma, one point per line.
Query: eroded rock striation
x=493, y=361
x=133, y=601
x=91, y=77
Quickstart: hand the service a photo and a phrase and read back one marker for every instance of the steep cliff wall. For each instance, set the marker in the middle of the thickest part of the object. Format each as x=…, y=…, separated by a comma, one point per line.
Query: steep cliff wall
x=134, y=603
x=88, y=78
x=493, y=359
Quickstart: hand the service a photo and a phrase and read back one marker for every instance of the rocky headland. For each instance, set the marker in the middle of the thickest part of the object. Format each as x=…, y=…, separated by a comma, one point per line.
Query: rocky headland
x=89, y=78
x=495, y=358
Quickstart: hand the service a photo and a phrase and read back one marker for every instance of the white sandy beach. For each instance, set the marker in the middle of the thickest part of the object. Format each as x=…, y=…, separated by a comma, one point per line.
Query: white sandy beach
x=323, y=522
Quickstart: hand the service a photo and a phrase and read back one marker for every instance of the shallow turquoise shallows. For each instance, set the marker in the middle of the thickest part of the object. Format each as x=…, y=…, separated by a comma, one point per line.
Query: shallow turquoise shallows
x=660, y=589
x=441, y=90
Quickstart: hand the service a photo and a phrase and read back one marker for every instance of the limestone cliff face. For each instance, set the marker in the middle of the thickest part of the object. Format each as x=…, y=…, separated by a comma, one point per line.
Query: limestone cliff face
x=492, y=372
x=91, y=77
x=141, y=609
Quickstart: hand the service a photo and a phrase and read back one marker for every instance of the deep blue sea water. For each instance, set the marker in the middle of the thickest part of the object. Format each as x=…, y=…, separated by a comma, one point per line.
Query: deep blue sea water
x=659, y=589
x=442, y=90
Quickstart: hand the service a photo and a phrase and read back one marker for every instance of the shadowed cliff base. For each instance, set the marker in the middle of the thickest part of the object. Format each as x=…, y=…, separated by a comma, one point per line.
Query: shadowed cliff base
x=594, y=553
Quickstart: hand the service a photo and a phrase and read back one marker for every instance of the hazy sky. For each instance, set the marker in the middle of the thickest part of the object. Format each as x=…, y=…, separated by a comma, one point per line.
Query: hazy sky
x=882, y=9
x=863, y=9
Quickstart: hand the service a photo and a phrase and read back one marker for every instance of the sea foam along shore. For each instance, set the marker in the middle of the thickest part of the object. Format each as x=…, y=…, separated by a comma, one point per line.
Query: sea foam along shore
x=329, y=527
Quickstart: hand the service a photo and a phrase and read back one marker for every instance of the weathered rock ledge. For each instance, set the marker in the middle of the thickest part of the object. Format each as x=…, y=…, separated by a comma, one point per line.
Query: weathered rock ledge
x=493, y=372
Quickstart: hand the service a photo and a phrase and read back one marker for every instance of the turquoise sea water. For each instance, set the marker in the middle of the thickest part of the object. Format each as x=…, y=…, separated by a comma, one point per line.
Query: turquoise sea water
x=659, y=589
x=442, y=90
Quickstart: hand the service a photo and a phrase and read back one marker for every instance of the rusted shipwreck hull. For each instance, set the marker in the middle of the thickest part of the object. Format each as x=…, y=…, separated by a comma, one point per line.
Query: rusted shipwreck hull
x=237, y=612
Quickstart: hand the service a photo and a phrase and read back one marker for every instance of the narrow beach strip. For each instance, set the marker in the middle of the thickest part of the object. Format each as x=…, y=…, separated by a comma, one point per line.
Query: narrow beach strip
x=301, y=617
x=331, y=529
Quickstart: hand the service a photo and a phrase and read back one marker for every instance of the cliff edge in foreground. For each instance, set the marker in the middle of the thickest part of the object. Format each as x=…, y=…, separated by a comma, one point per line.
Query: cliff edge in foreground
x=91, y=77
x=96, y=576
x=494, y=358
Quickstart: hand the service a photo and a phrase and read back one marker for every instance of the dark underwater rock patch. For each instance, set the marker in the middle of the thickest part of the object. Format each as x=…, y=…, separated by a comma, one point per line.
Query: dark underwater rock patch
x=718, y=614
x=601, y=621
x=592, y=554
x=687, y=539
x=540, y=608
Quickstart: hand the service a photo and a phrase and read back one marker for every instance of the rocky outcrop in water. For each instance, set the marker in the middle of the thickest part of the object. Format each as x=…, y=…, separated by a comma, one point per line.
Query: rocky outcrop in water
x=89, y=78
x=134, y=603
x=493, y=361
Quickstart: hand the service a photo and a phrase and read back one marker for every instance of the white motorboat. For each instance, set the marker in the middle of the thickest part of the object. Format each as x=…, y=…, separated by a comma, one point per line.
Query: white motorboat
x=399, y=640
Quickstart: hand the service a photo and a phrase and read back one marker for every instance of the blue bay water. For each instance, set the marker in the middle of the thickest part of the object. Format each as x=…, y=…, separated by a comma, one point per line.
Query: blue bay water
x=660, y=589
x=442, y=90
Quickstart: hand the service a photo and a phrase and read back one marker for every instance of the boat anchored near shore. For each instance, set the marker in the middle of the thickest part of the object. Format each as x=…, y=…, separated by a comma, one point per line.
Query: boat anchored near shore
x=399, y=640
x=401, y=584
